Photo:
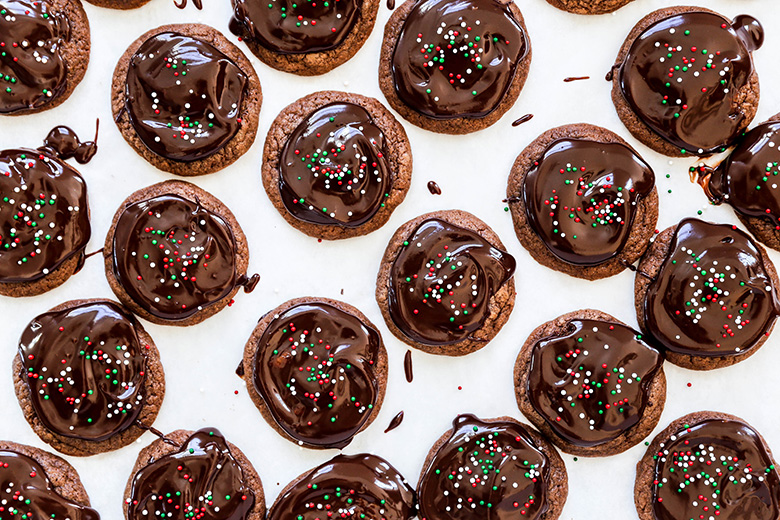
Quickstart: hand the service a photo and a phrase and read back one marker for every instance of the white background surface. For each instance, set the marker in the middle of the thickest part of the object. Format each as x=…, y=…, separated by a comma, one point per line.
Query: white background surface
x=472, y=170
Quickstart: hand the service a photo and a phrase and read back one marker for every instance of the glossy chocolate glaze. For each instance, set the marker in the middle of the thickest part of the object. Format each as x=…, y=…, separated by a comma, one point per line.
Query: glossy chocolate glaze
x=295, y=27
x=201, y=480
x=683, y=75
x=63, y=142
x=174, y=257
x=591, y=383
x=26, y=492
x=183, y=96
x=444, y=70
x=32, y=71
x=333, y=169
x=715, y=469
x=442, y=281
x=581, y=198
x=85, y=369
x=712, y=296
x=44, y=218
x=355, y=486
x=487, y=470
x=314, y=370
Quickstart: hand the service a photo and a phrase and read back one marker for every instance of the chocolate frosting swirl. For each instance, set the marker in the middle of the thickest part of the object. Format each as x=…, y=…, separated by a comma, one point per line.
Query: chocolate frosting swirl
x=314, y=369
x=591, y=383
x=355, y=486
x=26, y=492
x=173, y=257
x=684, y=75
x=457, y=59
x=202, y=480
x=712, y=296
x=715, y=469
x=293, y=27
x=442, y=281
x=183, y=96
x=32, y=71
x=44, y=218
x=333, y=169
x=581, y=197
x=490, y=470
x=85, y=369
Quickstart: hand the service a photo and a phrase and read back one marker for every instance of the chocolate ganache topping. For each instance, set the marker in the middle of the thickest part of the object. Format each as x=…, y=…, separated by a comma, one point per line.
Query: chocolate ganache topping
x=183, y=96
x=508, y=478
x=712, y=295
x=32, y=71
x=350, y=486
x=295, y=27
x=590, y=385
x=581, y=197
x=684, y=75
x=457, y=58
x=174, y=257
x=442, y=282
x=314, y=369
x=202, y=480
x=27, y=493
x=63, y=142
x=715, y=469
x=85, y=369
x=44, y=218
x=333, y=168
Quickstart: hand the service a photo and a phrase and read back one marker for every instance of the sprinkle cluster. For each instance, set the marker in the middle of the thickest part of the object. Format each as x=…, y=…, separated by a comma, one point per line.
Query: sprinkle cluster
x=306, y=11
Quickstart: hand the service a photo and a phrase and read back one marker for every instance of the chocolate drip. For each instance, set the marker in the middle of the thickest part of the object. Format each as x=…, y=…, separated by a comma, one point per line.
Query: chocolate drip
x=314, y=369
x=522, y=119
x=160, y=435
x=201, y=480
x=391, y=4
x=181, y=4
x=395, y=422
x=408, y=366
x=575, y=78
x=434, y=188
x=249, y=283
x=365, y=486
x=581, y=198
x=457, y=59
x=440, y=257
x=63, y=142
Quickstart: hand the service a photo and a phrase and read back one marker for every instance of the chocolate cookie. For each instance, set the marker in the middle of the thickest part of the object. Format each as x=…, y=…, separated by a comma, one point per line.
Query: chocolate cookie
x=454, y=67
x=186, y=99
x=707, y=465
x=683, y=82
x=304, y=38
x=445, y=284
x=590, y=383
x=517, y=473
x=316, y=369
x=336, y=165
x=362, y=486
x=194, y=475
x=175, y=254
x=583, y=201
x=88, y=377
x=589, y=6
x=707, y=294
x=44, y=52
x=38, y=484
x=119, y=4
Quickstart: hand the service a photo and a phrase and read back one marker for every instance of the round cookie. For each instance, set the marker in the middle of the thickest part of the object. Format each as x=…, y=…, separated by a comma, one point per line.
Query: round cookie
x=365, y=485
x=567, y=195
x=304, y=38
x=468, y=315
x=173, y=127
x=194, y=475
x=589, y=6
x=322, y=194
x=707, y=294
x=119, y=4
x=344, y=366
x=679, y=107
x=454, y=93
x=42, y=485
x=42, y=73
x=724, y=470
x=590, y=383
x=517, y=472
x=74, y=406
x=146, y=242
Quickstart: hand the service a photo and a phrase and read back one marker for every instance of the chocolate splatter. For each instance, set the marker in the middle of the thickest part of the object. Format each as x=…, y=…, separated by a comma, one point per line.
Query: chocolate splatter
x=395, y=422
x=575, y=78
x=434, y=188
x=181, y=4
x=408, y=366
x=519, y=121
x=240, y=369
x=391, y=4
